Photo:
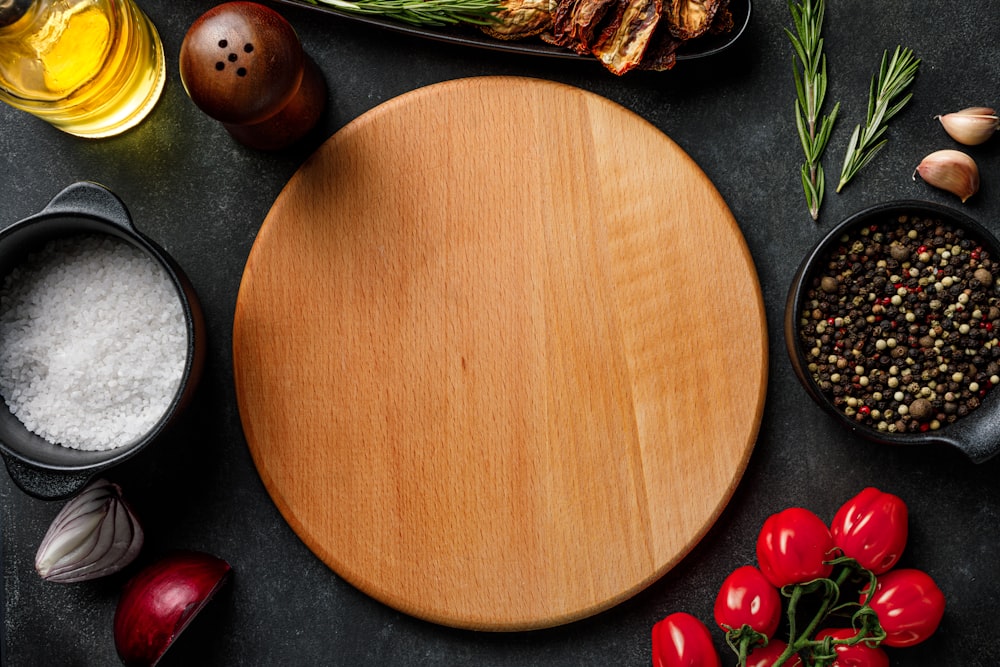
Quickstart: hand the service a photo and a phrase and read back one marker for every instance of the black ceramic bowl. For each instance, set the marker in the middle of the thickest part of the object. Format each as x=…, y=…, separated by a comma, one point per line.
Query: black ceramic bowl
x=978, y=433
x=38, y=467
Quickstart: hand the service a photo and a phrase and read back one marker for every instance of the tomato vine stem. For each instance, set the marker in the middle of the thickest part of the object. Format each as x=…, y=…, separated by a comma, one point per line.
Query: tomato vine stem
x=822, y=652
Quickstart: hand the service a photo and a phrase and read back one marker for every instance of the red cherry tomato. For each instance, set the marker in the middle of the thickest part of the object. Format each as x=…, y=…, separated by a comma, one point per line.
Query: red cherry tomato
x=792, y=547
x=871, y=528
x=681, y=640
x=766, y=656
x=909, y=606
x=858, y=655
x=748, y=598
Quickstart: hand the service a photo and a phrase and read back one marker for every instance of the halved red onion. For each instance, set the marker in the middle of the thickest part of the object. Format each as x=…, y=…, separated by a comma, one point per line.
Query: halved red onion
x=95, y=534
x=161, y=600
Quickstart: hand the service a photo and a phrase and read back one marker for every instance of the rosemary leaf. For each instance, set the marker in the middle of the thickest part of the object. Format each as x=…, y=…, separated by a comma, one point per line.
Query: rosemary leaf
x=809, y=74
x=421, y=12
x=894, y=77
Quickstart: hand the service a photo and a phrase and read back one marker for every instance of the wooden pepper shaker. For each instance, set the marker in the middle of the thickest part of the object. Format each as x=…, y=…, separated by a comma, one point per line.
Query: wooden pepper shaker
x=243, y=65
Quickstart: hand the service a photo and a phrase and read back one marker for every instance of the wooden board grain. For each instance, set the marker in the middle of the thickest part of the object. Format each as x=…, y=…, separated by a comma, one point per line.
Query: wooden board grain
x=500, y=353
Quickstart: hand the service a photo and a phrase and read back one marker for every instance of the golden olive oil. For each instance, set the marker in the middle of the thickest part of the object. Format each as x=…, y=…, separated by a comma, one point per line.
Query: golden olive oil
x=93, y=68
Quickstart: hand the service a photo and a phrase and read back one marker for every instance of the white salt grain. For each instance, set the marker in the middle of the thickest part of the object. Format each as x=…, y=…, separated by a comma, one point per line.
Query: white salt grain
x=93, y=342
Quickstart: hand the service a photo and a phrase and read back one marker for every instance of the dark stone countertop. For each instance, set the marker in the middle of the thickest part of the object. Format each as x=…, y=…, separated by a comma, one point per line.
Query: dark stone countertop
x=203, y=198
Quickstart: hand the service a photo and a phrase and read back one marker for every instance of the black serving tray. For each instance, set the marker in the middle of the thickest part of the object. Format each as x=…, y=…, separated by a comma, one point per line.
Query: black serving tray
x=701, y=47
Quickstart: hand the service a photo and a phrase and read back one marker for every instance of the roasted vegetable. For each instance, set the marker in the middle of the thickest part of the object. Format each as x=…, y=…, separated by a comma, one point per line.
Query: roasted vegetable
x=517, y=19
x=622, y=47
x=635, y=34
x=576, y=23
x=692, y=18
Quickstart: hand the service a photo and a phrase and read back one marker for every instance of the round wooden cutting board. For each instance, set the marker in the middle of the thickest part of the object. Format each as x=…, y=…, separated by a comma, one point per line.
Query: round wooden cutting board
x=500, y=353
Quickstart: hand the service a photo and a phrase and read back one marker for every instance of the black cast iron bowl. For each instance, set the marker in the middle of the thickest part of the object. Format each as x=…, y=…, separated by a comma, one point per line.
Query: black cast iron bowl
x=978, y=433
x=50, y=471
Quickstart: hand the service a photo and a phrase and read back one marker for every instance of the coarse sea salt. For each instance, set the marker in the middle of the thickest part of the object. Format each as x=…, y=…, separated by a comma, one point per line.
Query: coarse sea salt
x=93, y=342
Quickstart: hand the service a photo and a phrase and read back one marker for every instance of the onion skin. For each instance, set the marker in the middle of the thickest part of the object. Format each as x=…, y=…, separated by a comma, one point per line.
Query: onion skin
x=95, y=534
x=161, y=600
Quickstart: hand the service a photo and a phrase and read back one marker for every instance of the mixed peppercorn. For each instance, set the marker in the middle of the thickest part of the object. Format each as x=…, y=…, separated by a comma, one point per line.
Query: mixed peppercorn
x=900, y=325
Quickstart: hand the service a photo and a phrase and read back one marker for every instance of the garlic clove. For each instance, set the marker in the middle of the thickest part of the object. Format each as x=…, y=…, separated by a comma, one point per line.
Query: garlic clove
x=971, y=126
x=93, y=535
x=950, y=170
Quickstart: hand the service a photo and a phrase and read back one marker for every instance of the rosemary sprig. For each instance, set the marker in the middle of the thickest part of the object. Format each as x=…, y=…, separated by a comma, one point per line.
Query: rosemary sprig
x=422, y=12
x=810, y=87
x=894, y=77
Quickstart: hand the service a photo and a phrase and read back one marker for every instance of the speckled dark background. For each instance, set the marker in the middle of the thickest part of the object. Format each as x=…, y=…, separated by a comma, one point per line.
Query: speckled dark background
x=203, y=198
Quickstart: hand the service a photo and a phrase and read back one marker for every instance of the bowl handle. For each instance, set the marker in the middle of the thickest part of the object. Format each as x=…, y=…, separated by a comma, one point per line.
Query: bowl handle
x=979, y=436
x=90, y=199
x=43, y=484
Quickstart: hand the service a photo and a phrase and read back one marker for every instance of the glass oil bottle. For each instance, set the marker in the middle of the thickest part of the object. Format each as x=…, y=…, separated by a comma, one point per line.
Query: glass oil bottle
x=92, y=68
